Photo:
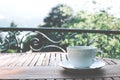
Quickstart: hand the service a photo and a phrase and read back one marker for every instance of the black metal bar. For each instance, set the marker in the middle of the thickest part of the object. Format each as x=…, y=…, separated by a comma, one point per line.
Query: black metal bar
x=47, y=29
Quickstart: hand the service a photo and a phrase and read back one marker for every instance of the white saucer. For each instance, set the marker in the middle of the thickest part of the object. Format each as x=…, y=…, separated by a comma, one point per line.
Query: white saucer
x=96, y=65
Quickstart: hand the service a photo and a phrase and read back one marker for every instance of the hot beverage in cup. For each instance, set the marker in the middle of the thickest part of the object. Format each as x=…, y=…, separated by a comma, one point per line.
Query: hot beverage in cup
x=81, y=56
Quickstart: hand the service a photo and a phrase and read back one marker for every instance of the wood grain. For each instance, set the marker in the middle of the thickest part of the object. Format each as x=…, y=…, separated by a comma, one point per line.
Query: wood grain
x=44, y=66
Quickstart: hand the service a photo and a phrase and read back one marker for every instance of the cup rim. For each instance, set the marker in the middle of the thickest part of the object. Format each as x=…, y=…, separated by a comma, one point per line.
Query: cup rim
x=81, y=47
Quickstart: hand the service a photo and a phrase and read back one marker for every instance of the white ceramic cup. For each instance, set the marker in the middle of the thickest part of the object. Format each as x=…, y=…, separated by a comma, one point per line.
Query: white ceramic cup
x=81, y=56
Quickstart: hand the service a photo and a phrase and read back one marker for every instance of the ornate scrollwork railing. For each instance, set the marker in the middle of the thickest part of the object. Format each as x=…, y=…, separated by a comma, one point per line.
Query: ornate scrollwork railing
x=4, y=44
x=38, y=41
x=30, y=40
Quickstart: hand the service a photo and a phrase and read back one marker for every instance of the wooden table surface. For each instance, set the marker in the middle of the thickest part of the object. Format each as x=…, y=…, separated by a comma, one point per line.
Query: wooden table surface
x=44, y=65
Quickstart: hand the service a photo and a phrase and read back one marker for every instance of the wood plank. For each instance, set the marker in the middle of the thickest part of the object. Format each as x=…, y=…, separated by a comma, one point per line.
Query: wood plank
x=69, y=79
x=14, y=61
x=14, y=71
x=35, y=59
x=22, y=59
x=50, y=79
x=29, y=60
x=88, y=79
x=40, y=60
x=18, y=60
x=108, y=62
x=111, y=61
x=50, y=72
x=98, y=79
x=10, y=60
x=79, y=79
x=5, y=59
x=46, y=60
x=59, y=79
x=58, y=58
x=52, y=59
x=115, y=61
x=5, y=56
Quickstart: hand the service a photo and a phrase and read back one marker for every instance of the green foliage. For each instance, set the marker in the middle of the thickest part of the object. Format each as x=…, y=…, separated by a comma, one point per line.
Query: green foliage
x=109, y=44
x=99, y=20
x=11, y=51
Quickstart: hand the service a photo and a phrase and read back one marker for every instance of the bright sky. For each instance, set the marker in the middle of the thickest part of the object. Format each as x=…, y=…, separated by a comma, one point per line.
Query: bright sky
x=28, y=9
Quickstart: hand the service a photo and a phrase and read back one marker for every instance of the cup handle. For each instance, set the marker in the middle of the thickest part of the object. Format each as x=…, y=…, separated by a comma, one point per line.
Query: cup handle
x=101, y=54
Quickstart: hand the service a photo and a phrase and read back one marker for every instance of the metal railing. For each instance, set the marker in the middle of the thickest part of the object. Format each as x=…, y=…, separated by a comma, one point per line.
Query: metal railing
x=57, y=39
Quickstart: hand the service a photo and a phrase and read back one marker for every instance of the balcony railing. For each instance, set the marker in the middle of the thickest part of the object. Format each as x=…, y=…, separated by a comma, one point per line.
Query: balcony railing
x=57, y=39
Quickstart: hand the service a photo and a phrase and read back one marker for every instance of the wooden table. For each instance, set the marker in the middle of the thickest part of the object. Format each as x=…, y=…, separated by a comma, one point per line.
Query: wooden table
x=44, y=66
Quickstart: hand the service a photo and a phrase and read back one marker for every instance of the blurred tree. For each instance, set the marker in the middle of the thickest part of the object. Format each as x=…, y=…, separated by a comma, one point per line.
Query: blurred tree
x=99, y=20
x=13, y=25
x=58, y=16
